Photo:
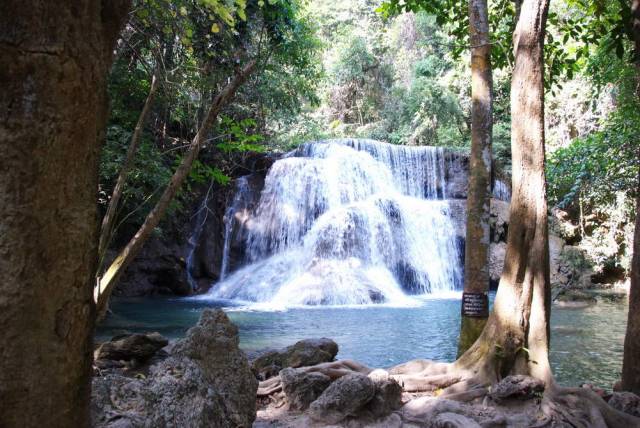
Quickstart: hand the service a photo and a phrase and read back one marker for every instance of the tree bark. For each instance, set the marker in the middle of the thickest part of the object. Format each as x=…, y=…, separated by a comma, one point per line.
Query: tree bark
x=516, y=337
x=106, y=230
x=106, y=283
x=55, y=57
x=631, y=365
x=476, y=271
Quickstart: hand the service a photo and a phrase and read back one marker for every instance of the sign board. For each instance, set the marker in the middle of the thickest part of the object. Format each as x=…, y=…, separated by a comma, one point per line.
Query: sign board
x=475, y=305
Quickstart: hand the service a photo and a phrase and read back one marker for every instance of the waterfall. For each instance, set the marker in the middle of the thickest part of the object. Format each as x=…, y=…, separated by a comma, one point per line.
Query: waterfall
x=233, y=217
x=192, y=243
x=345, y=222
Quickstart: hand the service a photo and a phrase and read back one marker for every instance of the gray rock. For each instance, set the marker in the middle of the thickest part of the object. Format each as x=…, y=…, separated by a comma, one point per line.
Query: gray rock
x=627, y=402
x=497, y=251
x=205, y=382
x=517, y=387
x=456, y=174
x=301, y=389
x=128, y=347
x=575, y=298
x=161, y=267
x=499, y=220
x=304, y=353
x=175, y=394
x=387, y=398
x=343, y=398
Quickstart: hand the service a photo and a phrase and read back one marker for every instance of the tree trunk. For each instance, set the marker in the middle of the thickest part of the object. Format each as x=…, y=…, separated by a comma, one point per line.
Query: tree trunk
x=106, y=229
x=631, y=365
x=476, y=271
x=55, y=57
x=109, y=279
x=516, y=337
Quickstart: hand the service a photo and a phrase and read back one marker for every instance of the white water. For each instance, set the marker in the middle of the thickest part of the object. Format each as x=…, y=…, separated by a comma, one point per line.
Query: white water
x=233, y=216
x=200, y=219
x=349, y=222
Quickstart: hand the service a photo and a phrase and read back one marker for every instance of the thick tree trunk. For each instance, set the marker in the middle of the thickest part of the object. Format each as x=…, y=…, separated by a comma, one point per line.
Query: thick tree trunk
x=476, y=270
x=55, y=57
x=516, y=337
x=631, y=363
x=112, y=274
x=106, y=230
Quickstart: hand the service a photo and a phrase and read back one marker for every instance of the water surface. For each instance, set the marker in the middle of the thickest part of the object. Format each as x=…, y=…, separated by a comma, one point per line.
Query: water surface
x=586, y=344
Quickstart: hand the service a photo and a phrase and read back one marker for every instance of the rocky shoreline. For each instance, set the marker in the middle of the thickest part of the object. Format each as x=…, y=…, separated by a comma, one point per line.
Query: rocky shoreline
x=205, y=380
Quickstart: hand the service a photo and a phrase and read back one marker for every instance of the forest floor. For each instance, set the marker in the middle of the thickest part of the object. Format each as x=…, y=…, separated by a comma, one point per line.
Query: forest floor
x=422, y=410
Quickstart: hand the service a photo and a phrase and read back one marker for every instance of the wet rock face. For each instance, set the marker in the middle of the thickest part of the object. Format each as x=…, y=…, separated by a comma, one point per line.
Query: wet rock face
x=206, y=381
x=161, y=267
x=306, y=352
x=158, y=270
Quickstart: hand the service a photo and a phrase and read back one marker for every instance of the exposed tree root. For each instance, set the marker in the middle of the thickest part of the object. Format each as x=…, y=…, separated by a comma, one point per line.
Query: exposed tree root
x=449, y=379
x=580, y=407
x=333, y=370
x=453, y=383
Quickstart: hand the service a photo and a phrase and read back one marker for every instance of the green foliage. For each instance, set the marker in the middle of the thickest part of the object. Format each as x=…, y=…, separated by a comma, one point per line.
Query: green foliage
x=605, y=162
x=194, y=47
x=595, y=177
x=387, y=81
x=238, y=136
x=573, y=29
x=148, y=174
x=202, y=173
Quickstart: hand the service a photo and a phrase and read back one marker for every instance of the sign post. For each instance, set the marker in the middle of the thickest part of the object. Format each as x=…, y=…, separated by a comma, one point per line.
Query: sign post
x=475, y=305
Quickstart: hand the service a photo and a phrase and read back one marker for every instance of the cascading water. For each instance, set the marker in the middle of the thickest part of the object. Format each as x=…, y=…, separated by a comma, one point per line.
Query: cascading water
x=233, y=217
x=346, y=222
x=200, y=220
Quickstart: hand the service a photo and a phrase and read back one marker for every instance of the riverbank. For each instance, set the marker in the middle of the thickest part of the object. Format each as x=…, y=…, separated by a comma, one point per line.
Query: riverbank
x=204, y=379
x=586, y=343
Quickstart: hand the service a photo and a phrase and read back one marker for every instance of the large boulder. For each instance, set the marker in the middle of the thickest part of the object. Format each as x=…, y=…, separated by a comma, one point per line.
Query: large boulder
x=499, y=220
x=387, y=398
x=302, y=388
x=127, y=347
x=214, y=345
x=206, y=381
x=343, y=398
x=176, y=393
x=306, y=352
